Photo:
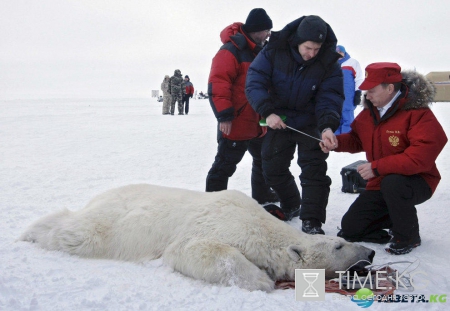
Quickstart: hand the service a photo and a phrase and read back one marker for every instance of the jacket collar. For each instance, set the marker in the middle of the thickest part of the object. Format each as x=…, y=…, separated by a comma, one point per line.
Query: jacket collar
x=236, y=34
x=398, y=104
x=345, y=58
x=417, y=92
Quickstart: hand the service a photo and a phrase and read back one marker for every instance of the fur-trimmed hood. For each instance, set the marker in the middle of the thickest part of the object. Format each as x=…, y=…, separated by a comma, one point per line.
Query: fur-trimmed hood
x=417, y=91
x=421, y=91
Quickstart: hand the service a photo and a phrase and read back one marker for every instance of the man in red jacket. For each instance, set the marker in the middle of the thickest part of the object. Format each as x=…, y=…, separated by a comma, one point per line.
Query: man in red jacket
x=402, y=139
x=189, y=93
x=238, y=127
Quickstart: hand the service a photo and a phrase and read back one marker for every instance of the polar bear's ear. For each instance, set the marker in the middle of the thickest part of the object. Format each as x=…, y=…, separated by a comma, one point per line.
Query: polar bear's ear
x=295, y=252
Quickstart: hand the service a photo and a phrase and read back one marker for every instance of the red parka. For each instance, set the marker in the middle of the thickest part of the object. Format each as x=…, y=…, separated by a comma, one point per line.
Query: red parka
x=408, y=138
x=226, y=84
x=189, y=88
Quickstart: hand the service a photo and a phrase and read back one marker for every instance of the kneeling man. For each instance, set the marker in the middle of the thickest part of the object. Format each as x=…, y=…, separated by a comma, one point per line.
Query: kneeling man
x=402, y=139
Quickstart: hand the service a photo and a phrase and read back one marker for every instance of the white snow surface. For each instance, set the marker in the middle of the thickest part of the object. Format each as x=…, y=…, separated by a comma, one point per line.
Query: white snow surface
x=61, y=153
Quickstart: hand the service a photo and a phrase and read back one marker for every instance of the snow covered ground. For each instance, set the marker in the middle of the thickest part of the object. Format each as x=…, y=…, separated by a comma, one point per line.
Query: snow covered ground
x=61, y=153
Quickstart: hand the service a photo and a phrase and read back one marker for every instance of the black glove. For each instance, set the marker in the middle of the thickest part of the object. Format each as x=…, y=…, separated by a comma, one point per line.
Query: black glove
x=191, y=96
x=357, y=98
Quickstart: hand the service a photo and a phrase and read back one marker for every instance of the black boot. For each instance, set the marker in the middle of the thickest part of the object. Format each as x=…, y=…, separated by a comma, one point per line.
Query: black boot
x=215, y=182
x=281, y=214
x=312, y=226
x=378, y=236
x=270, y=197
x=399, y=247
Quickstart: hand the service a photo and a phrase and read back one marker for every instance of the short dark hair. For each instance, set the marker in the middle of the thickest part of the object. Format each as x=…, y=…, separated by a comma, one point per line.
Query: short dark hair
x=397, y=85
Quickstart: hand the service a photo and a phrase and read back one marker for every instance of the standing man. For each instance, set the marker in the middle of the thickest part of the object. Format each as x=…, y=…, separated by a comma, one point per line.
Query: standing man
x=165, y=87
x=177, y=91
x=189, y=93
x=297, y=75
x=402, y=139
x=238, y=129
x=353, y=77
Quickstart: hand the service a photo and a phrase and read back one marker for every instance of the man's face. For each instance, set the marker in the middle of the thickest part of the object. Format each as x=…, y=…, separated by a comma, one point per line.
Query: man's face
x=260, y=36
x=380, y=95
x=309, y=49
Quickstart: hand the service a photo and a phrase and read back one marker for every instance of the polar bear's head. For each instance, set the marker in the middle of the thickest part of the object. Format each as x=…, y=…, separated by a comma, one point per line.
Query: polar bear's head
x=323, y=252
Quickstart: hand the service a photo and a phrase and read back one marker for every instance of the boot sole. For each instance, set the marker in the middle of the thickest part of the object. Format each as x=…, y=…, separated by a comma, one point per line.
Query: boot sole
x=401, y=251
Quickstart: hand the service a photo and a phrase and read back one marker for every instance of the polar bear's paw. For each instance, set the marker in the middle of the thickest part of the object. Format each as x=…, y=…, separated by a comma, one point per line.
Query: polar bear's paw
x=253, y=279
x=215, y=262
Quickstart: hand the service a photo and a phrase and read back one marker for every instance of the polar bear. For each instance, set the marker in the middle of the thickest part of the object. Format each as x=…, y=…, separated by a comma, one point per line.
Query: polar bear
x=221, y=237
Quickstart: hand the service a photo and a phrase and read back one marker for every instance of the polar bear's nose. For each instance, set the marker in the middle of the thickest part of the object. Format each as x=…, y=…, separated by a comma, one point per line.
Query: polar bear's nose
x=371, y=255
x=361, y=264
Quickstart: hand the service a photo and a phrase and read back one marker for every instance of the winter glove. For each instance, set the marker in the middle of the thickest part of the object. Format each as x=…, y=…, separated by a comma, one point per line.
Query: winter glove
x=357, y=98
x=191, y=96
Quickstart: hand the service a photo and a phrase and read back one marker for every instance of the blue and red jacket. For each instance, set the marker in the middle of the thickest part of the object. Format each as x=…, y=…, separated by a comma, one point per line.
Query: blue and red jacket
x=353, y=77
x=189, y=88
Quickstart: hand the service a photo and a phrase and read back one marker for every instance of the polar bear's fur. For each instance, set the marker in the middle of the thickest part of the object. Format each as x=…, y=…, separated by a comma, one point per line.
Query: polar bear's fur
x=221, y=237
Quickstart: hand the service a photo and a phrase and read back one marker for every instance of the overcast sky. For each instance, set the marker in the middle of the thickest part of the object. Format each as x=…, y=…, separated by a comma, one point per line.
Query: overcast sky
x=123, y=49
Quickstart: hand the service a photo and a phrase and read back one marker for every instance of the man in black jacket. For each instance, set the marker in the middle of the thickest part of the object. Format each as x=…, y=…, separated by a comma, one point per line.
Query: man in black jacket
x=297, y=75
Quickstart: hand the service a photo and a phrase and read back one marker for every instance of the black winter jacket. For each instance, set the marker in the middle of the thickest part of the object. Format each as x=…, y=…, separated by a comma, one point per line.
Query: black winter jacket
x=310, y=93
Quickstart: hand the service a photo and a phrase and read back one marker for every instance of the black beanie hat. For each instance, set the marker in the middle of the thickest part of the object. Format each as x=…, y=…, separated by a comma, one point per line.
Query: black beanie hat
x=257, y=20
x=186, y=76
x=311, y=28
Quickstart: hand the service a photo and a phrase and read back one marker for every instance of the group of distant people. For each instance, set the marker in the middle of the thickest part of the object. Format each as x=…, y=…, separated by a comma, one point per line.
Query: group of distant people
x=175, y=89
x=301, y=80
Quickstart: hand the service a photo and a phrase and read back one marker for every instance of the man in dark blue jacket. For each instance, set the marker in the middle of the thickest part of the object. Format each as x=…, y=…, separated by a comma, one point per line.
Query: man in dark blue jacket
x=297, y=75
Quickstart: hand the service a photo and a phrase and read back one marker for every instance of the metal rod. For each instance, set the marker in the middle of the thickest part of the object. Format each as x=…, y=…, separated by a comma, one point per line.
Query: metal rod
x=291, y=128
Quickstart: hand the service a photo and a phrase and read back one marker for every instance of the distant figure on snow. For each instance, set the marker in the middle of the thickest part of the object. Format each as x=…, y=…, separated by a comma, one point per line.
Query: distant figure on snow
x=177, y=91
x=189, y=93
x=165, y=87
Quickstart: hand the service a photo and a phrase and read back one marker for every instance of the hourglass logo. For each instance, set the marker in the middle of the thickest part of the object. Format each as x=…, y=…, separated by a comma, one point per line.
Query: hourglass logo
x=310, y=284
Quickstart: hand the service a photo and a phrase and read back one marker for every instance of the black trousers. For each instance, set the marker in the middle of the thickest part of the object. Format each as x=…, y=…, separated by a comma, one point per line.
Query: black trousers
x=277, y=153
x=229, y=154
x=186, y=103
x=393, y=207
